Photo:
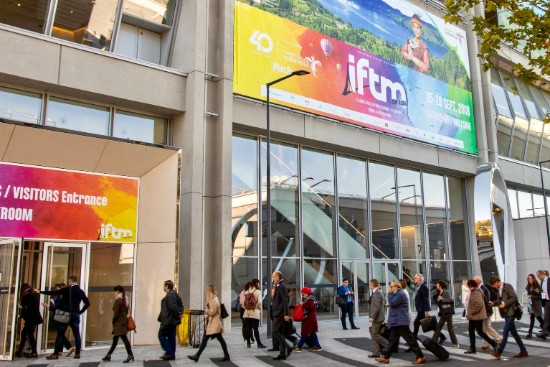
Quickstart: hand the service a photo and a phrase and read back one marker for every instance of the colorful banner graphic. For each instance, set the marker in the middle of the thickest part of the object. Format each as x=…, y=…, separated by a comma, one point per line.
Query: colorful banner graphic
x=350, y=84
x=55, y=204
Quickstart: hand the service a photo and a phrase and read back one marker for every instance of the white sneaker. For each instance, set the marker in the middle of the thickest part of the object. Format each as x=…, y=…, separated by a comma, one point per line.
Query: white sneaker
x=456, y=346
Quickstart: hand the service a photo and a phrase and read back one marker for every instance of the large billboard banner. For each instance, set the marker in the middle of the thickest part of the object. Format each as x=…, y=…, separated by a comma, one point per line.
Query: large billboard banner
x=409, y=77
x=46, y=203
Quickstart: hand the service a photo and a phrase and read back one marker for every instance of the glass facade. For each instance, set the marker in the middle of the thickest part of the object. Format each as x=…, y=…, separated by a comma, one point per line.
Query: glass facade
x=527, y=204
x=16, y=105
x=336, y=216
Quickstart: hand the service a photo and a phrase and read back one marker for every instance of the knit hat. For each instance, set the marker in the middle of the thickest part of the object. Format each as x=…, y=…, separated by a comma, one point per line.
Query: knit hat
x=306, y=290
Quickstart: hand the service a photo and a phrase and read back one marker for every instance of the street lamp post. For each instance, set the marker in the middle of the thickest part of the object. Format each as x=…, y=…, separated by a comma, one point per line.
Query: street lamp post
x=268, y=172
x=545, y=203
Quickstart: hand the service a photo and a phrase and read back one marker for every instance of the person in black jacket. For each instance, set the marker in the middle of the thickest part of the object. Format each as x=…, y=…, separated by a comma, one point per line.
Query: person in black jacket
x=54, y=304
x=171, y=310
x=72, y=297
x=31, y=314
x=421, y=302
x=279, y=314
x=445, y=314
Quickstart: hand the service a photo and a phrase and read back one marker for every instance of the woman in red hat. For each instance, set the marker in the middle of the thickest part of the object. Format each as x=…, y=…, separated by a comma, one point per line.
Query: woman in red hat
x=309, y=324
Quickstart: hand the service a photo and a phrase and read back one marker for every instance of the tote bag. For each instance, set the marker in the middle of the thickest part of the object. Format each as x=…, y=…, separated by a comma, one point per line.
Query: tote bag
x=298, y=314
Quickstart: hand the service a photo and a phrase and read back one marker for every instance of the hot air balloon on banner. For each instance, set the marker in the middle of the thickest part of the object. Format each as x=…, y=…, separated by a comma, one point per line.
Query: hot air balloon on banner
x=326, y=46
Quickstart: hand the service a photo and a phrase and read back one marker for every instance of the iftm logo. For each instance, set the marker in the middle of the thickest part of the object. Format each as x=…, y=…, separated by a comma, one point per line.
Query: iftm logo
x=110, y=231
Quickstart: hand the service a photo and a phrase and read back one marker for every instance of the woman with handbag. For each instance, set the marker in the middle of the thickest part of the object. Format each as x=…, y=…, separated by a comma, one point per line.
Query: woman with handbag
x=120, y=322
x=56, y=303
x=476, y=313
x=214, y=325
x=533, y=289
x=252, y=306
x=309, y=322
x=30, y=312
x=446, y=312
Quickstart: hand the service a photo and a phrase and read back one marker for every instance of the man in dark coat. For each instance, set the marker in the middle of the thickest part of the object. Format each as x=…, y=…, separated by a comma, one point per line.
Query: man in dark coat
x=398, y=322
x=421, y=302
x=72, y=297
x=545, y=294
x=171, y=310
x=279, y=314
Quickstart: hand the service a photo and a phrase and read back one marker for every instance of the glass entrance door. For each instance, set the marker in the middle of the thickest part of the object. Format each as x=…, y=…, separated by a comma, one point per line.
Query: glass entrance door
x=357, y=271
x=60, y=261
x=385, y=272
x=10, y=263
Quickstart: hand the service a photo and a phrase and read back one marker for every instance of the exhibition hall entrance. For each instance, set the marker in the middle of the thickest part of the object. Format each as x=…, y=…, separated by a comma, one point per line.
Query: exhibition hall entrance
x=10, y=262
x=357, y=271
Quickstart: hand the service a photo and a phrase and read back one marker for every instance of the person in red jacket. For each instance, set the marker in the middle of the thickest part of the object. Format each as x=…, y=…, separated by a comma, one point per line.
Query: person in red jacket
x=309, y=324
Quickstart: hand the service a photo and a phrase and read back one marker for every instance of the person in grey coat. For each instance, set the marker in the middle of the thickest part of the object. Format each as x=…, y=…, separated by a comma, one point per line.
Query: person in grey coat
x=535, y=302
x=376, y=317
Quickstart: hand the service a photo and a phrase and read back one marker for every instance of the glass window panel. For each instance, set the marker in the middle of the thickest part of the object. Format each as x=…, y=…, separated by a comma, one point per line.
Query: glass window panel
x=154, y=11
x=525, y=204
x=244, y=199
x=499, y=95
x=77, y=116
x=538, y=205
x=462, y=272
x=352, y=201
x=85, y=22
x=138, y=127
x=318, y=204
x=513, y=203
x=244, y=270
x=26, y=14
x=110, y=265
x=20, y=106
x=515, y=100
x=459, y=236
x=545, y=146
x=436, y=216
x=504, y=134
x=527, y=98
x=535, y=136
x=321, y=276
x=410, y=205
x=290, y=267
x=384, y=211
x=540, y=101
x=519, y=138
x=440, y=270
x=285, y=237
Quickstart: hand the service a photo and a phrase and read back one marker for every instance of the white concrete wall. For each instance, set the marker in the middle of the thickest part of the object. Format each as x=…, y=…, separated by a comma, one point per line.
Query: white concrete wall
x=531, y=248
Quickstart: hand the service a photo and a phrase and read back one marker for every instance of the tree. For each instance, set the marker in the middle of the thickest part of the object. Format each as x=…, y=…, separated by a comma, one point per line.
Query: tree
x=522, y=24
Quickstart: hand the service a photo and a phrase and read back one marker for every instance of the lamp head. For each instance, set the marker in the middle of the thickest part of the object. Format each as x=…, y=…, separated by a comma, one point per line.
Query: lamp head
x=300, y=72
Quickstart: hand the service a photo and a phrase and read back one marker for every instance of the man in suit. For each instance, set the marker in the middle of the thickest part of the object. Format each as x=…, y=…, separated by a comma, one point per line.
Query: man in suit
x=345, y=292
x=421, y=302
x=376, y=317
x=506, y=301
x=279, y=314
x=545, y=294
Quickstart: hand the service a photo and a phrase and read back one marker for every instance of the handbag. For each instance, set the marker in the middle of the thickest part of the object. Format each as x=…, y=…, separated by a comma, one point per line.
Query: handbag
x=298, y=314
x=61, y=316
x=341, y=301
x=447, y=308
x=428, y=324
x=223, y=312
x=518, y=311
x=131, y=324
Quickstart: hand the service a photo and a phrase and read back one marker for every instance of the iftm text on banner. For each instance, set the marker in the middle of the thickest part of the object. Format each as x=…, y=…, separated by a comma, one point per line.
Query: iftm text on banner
x=347, y=83
x=56, y=204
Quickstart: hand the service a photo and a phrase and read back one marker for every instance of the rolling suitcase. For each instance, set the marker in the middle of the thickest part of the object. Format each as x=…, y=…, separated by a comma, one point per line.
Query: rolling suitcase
x=435, y=348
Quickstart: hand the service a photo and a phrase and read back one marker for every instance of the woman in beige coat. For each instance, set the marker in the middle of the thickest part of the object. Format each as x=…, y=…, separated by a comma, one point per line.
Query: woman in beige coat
x=476, y=313
x=252, y=315
x=214, y=325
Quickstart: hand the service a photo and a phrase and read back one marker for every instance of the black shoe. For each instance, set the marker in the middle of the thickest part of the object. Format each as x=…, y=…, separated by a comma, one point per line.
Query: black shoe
x=194, y=358
x=528, y=336
x=52, y=356
x=31, y=355
x=127, y=360
x=225, y=359
x=248, y=346
x=280, y=357
x=273, y=350
x=408, y=350
x=77, y=356
x=442, y=338
x=107, y=358
x=289, y=350
x=374, y=355
x=345, y=328
x=541, y=336
x=470, y=351
x=18, y=354
x=355, y=328
x=168, y=358
x=261, y=346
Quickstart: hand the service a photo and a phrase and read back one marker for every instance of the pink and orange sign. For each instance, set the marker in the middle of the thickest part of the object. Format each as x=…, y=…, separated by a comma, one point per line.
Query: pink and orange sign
x=47, y=203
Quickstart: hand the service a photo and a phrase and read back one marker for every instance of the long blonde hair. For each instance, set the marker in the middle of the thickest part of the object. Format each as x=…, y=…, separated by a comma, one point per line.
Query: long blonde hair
x=211, y=292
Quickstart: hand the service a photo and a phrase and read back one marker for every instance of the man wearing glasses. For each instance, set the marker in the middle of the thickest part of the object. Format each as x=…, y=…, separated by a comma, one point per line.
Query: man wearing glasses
x=398, y=322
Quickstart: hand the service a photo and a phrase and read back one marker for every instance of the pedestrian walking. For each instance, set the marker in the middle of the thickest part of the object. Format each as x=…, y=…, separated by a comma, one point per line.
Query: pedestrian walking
x=376, y=318
x=445, y=314
x=465, y=295
x=545, y=298
x=252, y=305
x=73, y=296
x=214, y=325
x=30, y=312
x=309, y=323
x=245, y=326
x=506, y=302
x=398, y=322
x=345, y=292
x=279, y=314
x=120, y=322
x=487, y=327
x=535, y=304
x=475, y=314
x=55, y=304
x=421, y=302
x=171, y=310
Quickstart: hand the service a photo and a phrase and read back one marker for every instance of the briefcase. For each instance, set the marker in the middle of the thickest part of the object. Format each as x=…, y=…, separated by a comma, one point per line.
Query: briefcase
x=428, y=324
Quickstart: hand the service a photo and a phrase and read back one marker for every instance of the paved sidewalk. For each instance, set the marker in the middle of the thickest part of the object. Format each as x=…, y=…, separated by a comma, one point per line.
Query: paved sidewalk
x=340, y=348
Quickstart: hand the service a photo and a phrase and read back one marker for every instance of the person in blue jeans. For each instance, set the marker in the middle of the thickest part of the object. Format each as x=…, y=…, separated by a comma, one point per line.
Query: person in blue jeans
x=506, y=301
x=345, y=292
x=171, y=309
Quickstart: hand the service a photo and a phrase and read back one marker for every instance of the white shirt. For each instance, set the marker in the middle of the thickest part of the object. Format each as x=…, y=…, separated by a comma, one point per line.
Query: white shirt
x=544, y=288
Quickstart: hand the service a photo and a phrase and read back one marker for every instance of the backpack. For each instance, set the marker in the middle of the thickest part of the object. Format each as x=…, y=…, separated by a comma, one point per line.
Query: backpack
x=250, y=301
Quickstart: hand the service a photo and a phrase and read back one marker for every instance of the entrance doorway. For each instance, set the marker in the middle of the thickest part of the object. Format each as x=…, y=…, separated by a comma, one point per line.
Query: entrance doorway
x=357, y=271
x=60, y=261
x=10, y=264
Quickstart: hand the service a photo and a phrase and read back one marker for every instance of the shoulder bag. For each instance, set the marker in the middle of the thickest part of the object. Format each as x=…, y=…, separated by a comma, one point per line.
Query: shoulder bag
x=130, y=322
x=223, y=311
x=298, y=314
x=63, y=317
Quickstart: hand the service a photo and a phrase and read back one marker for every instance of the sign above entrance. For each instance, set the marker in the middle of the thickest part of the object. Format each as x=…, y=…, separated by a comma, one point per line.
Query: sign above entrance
x=48, y=203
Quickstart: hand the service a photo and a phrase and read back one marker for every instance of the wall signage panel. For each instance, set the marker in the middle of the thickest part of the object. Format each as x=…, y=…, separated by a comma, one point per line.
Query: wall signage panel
x=409, y=78
x=47, y=203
